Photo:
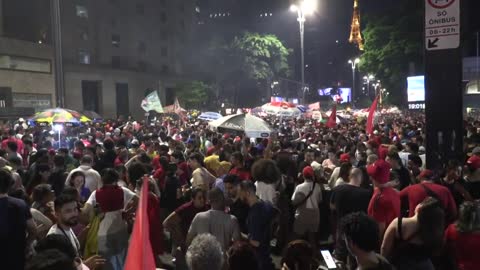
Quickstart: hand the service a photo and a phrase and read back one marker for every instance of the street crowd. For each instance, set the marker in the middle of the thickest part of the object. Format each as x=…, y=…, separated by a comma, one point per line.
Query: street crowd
x=219, y=200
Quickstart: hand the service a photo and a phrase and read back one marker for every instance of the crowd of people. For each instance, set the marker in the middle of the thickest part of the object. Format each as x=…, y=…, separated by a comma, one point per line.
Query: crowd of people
x=220, y=200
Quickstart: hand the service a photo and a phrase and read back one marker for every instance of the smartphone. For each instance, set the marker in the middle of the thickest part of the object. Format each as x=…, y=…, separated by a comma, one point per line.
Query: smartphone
x=327, y=257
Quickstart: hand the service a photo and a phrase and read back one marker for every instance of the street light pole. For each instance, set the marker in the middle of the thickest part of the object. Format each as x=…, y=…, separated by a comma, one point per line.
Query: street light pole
x=57, y=45
x=354, y=63
x=306, y=7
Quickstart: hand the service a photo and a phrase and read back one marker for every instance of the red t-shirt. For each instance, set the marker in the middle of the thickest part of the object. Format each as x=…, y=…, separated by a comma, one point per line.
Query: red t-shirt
x=416, y=194
x=384, y=205
x=19, y=144
x=184, y=176
x=159, y=175
x=464, y=247
x=109, y=198
x=242, y=173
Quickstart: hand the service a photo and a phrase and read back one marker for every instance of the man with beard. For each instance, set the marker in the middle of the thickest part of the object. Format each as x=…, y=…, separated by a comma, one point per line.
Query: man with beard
x=66, y=211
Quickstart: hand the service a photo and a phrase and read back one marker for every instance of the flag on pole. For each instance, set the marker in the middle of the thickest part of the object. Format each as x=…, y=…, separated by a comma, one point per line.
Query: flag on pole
x=314, y=106
x=332, y=120
x=152, y=103
x=371, y=116
x=140, y=254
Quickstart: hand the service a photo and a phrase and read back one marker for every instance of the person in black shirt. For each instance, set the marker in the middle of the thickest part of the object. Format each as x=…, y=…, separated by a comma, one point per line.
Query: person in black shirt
x=347, y=199
x=238, y=208
x=401, y=173
x=15, y=221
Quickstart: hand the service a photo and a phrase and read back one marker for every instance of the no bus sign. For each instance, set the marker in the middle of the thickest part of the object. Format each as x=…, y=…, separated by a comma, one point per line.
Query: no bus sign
x=442, y=24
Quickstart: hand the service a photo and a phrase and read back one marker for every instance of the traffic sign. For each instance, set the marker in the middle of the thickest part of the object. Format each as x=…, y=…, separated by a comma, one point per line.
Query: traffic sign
x=442, y=24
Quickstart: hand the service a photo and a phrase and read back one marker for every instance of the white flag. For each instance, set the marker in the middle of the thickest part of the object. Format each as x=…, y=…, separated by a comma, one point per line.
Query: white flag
x=152, y=103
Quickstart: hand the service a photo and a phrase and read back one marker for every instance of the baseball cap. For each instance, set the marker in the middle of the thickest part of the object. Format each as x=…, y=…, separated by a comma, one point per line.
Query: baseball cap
x=345, y=157
x=308, y=172
x=474, y=162
x=379, y=171
x=425, y=174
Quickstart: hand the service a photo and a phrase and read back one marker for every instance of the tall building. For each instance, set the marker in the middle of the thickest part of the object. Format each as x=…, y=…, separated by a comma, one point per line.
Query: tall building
x=117, y=51
x=114, y=53
x=27, y=82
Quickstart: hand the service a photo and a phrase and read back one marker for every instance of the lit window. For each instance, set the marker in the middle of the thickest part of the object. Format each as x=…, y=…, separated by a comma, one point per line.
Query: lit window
x=116, y=41
x=84, y=35
x=211, y=15
x=82, y=11
x=197, y=9
x=83, y=57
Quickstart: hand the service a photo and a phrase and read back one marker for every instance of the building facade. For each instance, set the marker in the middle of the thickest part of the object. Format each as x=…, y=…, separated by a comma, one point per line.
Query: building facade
x=116, y=51
x=27, y=81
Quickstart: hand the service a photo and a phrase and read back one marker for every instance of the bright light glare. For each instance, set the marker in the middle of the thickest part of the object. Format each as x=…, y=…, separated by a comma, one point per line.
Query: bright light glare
x=293, y=8
x=309, y=6
x=57, y=128
x=357, y=60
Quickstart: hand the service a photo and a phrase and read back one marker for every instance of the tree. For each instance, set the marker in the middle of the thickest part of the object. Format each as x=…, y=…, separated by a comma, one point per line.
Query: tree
x=243, y=67
x=392, y=44
x=193, y=94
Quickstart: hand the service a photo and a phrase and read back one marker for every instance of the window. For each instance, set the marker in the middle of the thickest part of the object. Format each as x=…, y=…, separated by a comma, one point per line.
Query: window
x=197, y=9
x=116, y=40
x=116, y=61
x=142, y=48
x=164, y=51
x=165, y=69
x=140, y=8
x=82, y=11
x=25, y=63
x=83, y=57
x=163, y=17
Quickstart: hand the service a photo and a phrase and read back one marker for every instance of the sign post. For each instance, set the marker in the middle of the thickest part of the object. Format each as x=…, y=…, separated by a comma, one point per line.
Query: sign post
x=443, y=82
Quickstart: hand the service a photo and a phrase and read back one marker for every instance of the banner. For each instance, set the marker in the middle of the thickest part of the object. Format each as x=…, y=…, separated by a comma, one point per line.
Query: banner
x=332, y=120
x=314, y=106
x=152, y=103
x=371, y=116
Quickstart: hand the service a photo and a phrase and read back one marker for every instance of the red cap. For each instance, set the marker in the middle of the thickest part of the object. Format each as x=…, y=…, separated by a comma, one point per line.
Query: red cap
x=425, y=174
x=237, y=139
x=226, y=136
x=308, y=172
x=379, y=171
x=345, y=157
x=474, y=162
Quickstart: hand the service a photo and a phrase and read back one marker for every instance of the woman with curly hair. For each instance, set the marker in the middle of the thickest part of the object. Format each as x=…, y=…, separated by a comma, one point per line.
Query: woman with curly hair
x=267, y=176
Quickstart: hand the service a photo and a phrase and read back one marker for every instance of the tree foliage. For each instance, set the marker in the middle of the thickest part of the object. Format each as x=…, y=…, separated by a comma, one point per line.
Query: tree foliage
x=392, y=44
x=193, y=94
x=243, y=66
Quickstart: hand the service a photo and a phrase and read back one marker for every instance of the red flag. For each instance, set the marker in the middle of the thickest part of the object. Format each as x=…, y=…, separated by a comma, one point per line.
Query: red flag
x=140, y=254
x=332, y=120
x=371, y=116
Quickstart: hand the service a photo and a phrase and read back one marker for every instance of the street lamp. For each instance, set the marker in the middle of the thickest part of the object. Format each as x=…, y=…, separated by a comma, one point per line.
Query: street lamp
x=368, y=78
x=354, y=63
x=306, y=7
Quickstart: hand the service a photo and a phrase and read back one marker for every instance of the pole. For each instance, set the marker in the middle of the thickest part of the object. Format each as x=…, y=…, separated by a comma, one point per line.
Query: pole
x=301, y=21
x=57, y=44
x=353, y=84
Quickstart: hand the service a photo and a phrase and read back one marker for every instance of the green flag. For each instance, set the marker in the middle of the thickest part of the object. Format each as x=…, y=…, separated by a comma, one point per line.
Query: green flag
x=152, y=103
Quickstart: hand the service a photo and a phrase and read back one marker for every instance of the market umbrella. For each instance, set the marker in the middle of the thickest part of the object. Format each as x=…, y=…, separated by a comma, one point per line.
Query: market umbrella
x=59, y=116
x=93, y=115
x=282, y=109
x=253, y=126
x=210, y=116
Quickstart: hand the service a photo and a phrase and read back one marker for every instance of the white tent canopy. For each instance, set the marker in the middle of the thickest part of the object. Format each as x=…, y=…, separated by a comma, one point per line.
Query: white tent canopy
x=253, y=126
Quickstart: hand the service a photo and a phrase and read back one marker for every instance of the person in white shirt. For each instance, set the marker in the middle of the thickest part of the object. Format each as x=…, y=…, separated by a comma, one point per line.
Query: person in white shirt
x=306, y=198
x=93, y=181
x=268, y=180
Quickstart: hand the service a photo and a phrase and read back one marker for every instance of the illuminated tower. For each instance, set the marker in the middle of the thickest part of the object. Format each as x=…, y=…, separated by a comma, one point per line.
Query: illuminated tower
x=355, y=33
